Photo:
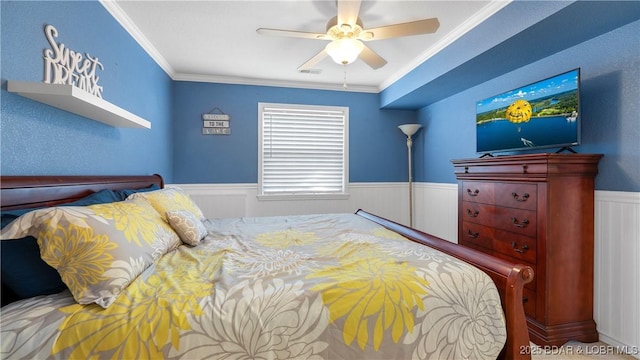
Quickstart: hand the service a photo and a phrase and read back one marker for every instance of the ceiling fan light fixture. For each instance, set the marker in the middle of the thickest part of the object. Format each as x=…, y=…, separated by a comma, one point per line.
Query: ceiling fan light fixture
x=346, y=34
x=344, y=51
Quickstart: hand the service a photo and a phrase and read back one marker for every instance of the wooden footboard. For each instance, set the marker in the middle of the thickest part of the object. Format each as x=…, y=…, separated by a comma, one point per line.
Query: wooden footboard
x=510, y=279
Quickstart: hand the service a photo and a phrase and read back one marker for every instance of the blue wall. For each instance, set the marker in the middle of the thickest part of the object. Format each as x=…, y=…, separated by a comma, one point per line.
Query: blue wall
x=377, y=150
x=610, y=103
x=39, y=139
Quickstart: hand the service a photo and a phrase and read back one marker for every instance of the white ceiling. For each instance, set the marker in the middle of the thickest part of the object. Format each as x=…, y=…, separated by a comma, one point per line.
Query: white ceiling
x=217, y=41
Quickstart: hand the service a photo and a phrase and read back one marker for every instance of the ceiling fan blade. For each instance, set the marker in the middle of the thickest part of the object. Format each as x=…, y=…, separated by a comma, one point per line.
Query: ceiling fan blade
x=426, y=26
x=313, y=61
x=290, y=33
x=371, y=58
x=348, y=11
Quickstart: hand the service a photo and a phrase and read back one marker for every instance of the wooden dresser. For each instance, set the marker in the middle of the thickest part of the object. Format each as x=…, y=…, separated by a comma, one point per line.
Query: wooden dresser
x=537, y=209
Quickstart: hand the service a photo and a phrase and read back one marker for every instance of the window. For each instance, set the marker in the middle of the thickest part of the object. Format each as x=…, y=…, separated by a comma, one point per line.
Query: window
x=302, y=151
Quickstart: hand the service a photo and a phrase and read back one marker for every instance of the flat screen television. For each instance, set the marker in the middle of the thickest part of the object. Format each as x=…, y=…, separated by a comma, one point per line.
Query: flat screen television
x=544, y=114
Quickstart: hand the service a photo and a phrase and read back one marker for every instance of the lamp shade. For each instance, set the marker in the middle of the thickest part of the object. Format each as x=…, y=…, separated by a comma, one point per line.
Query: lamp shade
x=409, y=129
x=344, y=51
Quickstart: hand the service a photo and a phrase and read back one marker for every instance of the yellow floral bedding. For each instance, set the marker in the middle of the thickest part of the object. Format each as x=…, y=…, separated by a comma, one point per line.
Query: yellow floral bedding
x=303, y=287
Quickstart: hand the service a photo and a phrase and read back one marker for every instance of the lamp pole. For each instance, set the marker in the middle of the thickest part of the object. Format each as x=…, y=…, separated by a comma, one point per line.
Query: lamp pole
x=409, y=130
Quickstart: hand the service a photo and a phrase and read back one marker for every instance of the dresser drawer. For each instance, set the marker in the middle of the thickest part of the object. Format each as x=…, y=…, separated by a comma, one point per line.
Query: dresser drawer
x=521, y=248
x=481, y=245
x=519, y=196
x=515, y=220
x=515, y=195
x=478, y=192
x=477, y=234
x=478, y=213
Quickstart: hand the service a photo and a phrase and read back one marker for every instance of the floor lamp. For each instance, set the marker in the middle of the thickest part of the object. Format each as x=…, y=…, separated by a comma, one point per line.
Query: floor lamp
x=409, y=130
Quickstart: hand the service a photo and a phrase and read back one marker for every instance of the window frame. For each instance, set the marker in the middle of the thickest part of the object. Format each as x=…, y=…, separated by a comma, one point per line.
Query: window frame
x=261, y=195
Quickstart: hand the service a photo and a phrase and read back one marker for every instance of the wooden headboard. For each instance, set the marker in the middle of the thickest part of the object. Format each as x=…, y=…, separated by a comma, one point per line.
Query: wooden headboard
x=20, y=192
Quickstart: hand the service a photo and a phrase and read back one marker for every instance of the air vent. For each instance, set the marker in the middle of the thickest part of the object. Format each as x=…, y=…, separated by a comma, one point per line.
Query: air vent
x=310, y=71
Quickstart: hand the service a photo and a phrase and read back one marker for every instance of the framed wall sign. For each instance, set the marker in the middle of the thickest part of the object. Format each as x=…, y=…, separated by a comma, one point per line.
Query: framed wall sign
x=216, y=122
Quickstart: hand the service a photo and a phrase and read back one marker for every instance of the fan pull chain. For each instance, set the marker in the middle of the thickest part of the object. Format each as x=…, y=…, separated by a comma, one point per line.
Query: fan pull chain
x=344, y=81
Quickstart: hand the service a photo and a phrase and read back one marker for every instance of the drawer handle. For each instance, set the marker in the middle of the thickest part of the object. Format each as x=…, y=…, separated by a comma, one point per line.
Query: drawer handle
x=520, y=224
x=522, y=198
x=521, y=250
x=525, y=299
x=473, y=213
x=472, y=235
x=473, y=193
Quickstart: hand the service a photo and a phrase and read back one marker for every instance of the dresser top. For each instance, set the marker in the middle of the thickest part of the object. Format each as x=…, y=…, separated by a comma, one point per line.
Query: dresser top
x=527, y=166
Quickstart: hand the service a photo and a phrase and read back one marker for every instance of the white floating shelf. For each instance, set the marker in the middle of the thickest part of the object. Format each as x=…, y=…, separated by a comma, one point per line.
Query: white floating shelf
x=77, y=101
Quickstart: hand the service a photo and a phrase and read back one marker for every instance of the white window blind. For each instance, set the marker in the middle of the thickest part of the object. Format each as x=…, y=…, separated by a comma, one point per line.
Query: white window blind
x=303, y=150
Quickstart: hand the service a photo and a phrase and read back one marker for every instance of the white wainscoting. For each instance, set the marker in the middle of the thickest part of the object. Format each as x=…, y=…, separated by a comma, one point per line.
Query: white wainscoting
x=617, y=269
x=435, y=205
x=617, y=235
x=236, y=200
x=436, y=209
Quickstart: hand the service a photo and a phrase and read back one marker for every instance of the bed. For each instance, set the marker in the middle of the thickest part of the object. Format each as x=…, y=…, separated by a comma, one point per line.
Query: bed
x=330, y=286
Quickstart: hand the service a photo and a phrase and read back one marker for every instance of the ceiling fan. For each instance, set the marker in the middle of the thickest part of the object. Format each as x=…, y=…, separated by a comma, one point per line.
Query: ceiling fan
x=347, y=34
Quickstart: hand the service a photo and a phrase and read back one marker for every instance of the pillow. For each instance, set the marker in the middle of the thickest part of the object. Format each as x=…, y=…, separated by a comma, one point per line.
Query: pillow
x=124, y=194
x=23, y=271
x=99, y=197
x=190, y=229
x=170, y=199
x=98, y=249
